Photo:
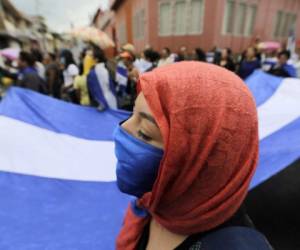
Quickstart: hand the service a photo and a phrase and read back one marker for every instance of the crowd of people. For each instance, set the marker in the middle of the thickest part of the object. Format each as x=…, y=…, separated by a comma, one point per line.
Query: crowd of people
x=93, y=80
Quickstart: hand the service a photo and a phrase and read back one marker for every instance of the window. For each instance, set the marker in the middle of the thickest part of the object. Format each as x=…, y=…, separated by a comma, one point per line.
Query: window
x=239, y=18
x=180, y=17
x=278, y=23
x=250, y=20
x=196, y=17
x=240, y=21
x=165, y=20
x=228, y=17
x=285, y=23
x=139, y=24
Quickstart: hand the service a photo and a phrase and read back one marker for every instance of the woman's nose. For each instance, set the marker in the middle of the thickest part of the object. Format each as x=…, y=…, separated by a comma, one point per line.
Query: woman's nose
x=129, y=126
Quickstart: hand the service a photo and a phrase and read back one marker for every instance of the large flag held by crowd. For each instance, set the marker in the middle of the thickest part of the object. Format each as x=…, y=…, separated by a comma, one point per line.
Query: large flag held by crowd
x=57, y=164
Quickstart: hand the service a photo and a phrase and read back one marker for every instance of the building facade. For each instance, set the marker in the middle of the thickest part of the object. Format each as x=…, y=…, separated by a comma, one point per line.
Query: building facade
x=203, y=23
x=14, y=26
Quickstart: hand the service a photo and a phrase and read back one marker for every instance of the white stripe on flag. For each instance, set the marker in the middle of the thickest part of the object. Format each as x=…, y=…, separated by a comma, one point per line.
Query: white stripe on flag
x=28, y=149
x=282, y=108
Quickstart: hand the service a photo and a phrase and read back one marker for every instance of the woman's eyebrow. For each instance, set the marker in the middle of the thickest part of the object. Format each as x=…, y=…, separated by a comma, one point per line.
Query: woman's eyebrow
x=148, y=117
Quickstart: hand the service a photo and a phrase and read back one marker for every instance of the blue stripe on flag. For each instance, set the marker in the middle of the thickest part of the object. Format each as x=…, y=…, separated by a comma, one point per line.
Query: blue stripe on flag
x=59, y=116
x=262, y=85
x=40, y=213
x=277, y=151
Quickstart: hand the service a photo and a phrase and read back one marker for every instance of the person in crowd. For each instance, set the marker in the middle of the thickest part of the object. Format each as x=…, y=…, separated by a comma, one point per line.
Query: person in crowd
x=199, y=55
x=126, y=78
x=249, y=64
x=80, y=82
x=188, y=154
x=148, y=61
x=81, y=59
x=182, y=54
x=129, y=48
x=28, y=76
x=8, y=73
x=70, y=71
x=282, y=68
x=269, y=58
x=166, y=57
x=88, y=61
x=38, y=57
x=52, y=75
x=144, y=64
x=225, y=60
x=213, y=54
x=100, y=85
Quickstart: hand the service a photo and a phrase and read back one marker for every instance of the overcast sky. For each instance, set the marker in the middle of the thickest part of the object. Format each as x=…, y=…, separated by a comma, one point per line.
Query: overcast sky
x=60, y=14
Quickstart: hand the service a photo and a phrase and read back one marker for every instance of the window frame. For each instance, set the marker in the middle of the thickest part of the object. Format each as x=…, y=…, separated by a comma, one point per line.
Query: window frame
x=226, y=20
x=170, y=32
x=284, y=24
x=202, y=18
x=186, y=6
x=252, y=20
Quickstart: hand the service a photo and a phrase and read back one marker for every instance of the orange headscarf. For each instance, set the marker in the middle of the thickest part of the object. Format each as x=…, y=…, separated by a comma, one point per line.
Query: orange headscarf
x=208, y=121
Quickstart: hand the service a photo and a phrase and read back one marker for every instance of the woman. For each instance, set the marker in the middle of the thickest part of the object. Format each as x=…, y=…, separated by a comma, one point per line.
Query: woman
x=53, y=75
x=188, y=153
x=100, y=84
x=70, y=71
x=249, y=63
x=80, y=82
x=225, y=60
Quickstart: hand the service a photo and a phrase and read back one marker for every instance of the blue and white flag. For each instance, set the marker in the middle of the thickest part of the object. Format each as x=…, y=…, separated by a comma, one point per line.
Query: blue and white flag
x=57, y=165
x=121, y=75
x=57, y=175
x=101, y=87
x=278, y=106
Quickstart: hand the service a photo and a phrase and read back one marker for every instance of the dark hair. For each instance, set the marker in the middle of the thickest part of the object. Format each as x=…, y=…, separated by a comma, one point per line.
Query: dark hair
x=38, y=56
x=99, y=54
x=229, y=51
x=201, y=56
x=151, y=55
x=27, y=57
x=68, y=56
x=167, y=49
x=286, y=53
x=52, y=56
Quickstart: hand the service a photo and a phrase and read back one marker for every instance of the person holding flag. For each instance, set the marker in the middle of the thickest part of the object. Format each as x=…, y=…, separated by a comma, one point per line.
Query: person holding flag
x=100, y=85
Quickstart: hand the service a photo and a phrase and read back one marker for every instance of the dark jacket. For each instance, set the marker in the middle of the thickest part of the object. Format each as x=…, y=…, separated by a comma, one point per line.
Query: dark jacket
x=30, y=79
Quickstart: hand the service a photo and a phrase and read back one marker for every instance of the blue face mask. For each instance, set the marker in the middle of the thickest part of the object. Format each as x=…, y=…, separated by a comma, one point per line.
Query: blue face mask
x=138, y=163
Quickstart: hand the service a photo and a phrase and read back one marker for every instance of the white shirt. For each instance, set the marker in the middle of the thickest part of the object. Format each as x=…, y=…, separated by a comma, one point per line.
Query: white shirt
x=69, y=74
x=165, y=61
x=40, y=69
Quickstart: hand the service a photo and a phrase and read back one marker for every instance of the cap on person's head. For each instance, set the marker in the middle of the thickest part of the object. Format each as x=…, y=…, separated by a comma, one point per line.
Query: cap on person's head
x=128, y=47
x=127, y=55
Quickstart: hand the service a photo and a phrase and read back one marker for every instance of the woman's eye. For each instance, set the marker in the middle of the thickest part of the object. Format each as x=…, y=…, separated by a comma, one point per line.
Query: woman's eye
x=143, y=136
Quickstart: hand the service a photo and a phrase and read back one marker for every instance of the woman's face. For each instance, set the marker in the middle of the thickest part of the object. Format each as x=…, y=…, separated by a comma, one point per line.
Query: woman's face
x=142, y=124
